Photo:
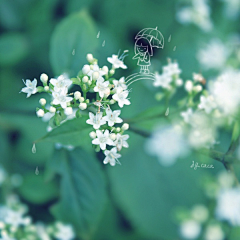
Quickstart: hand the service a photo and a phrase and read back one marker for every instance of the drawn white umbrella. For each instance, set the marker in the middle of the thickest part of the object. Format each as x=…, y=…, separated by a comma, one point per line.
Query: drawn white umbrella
x=154, y=36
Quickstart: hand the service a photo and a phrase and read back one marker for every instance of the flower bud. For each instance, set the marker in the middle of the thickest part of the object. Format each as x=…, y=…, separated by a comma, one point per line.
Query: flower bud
x=105, y=69
x=95, y=75
x=86, y=69
x=42, y=101
x=179, y=82
x=77, y=95
x=87, y=101
x=85, y=79
x=189, y=86
x=112, y=71
x=125, y=126
x=44, y=77
x=90, y=57
x=46, y=88
x=118, y=129
x=113, y=136
x=52, y=109
x=82, y=106
x=92, y=135
x=40, y=113
x=89, y=82
x=68, y=110
x=197, y=88
x=112, y=101
x=81, y=99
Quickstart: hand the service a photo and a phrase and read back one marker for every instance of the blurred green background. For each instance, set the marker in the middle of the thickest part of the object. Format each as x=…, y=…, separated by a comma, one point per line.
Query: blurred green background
x=140, y=196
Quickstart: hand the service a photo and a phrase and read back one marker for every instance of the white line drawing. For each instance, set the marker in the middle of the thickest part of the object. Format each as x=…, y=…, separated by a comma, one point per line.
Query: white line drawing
x=36, y=171
x=103, y=44
x=169, y=39
x=146, y=40
x=98, y=34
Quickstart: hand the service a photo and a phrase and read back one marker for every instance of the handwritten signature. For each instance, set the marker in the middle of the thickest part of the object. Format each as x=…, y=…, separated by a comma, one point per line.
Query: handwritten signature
x=196, y=165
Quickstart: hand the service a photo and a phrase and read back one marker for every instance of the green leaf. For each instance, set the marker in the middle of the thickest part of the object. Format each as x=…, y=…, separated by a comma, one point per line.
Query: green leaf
x=13, y=48
x=35, y=190
x=147, y=192
x=83, y=192
x=73, y=38
x=73, y=132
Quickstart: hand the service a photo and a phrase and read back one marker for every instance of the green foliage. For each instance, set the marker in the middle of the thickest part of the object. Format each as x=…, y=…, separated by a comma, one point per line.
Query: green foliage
x=73, y=38
x=83, y=191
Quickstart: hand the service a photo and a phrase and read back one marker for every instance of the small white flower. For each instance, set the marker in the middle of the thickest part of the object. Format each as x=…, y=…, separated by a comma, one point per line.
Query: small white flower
x=14, y=218
x=44, y=77
x=46, y=88
x=187, y=115
x=96, y=120
x=111, y=156
x=92, y=135
x=90, y=57
x=85, y=79
x=61, y=98
x=64, y=232
x=102, y=139
x=200, y=213
x=121, y=141
x=68, y=111
x=214, y=232
x=105, y=69
x=40, y=113
x=197, y=88
x=188, y=86
x=125, y=126
x=60, y=83
x=52, y=109
x=116, y=62
x=31, y=87
x=42, y=101
x=207, y=103
x=179, y=82
x=120, y=83
x=228, y=206
x=112, y=117
x=172, y=69
x=95, y=68
x=86, y=68
x=163, y=80
x=77, y=95
x=121, y=97
x=190, y=229
x=101, y=87
x=82, y=106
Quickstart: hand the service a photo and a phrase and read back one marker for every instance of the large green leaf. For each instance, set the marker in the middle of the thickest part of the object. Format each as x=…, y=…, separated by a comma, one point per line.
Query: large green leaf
x=148, y=192
x=83, y=191
x=74, y=132
x=73, y=38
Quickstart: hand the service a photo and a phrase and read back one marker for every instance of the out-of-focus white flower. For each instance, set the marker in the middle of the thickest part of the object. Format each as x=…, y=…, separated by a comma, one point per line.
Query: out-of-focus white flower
x=40, y=113
x=125, y=126
x=60, y=83
x=228, y=206
x=121, y=141
x=187, y=115
x=121, y=97
x=162, y=80
x=77, y=95
x=5, y=236
x=82, y=106
x=198, y=14
x=111, y=156
x=102, y=139
x=64, y=232
x=200, y=213
x=207, y=103
x=92, y=134
x=214, y=55
x=44, y=77
x=112, y=117
x=14, y=218
x=61, y=98
x=68, y=111
x=188, y=86
x=96, y=120
x=172, y=69
x=214, y=232
x=31, y=87
x=159, y=145
x=120, y=83
x=232, y=8
x=86, y=69
x=225, y=179
x=225, y=91
x=101, y=87
x=190, y=229
x=42, y=232
x=116, y=62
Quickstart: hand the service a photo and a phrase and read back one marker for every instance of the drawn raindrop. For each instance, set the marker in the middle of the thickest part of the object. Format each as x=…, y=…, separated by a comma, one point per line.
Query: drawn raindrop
x=73, y=52
x=98, y=34
x=174, y=49
x=169, y=39
x=34, y=150
x=103, y=44
x=167, y=112
x=36, y=171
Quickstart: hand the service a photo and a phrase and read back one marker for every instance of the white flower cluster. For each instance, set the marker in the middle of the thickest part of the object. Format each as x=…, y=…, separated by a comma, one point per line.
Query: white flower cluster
x=169, y=78
x=15, y=225
x=198, y=14
x=65, y=106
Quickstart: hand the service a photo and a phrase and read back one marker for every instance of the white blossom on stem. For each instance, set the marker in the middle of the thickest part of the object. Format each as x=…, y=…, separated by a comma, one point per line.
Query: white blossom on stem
x=31, y=87
x=61, y=98
x=96, y=120
x=111, y=156
x=116, y=62
x=112, y=117
x=60, y=83
x=120, y=83
x=101, y=87
x=121, y=141
x=207, y=103
x=121, y=97
x=102, y=139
